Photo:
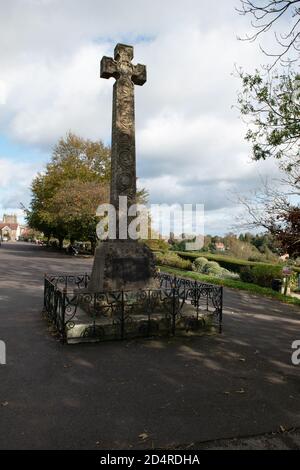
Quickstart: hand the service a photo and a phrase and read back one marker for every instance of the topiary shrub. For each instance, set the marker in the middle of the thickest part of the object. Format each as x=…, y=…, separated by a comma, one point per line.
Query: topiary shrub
x=202, y=265
x=229, y=274
x=199, y=264
x=213, y=268
x=173, y=260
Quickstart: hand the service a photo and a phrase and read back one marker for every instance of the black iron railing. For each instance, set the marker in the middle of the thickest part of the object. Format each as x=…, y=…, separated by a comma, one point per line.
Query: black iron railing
x=178, y=305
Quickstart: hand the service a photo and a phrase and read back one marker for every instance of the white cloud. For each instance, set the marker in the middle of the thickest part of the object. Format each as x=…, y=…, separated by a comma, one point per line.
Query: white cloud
x=189, y=140
x=14, y=173
x=15, y=179
x=62, y=98
x=3, y=92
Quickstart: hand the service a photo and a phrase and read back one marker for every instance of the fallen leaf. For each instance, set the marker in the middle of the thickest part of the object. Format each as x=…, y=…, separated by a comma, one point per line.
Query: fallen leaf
x=240, y=391
x=282, y=428
x=242, y=359
x=143, y=436
x=4, y=403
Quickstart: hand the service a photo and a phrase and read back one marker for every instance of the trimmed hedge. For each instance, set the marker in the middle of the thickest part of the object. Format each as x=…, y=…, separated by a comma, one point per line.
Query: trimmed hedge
x=261, y=275
x=232, y=264
x=170, y=258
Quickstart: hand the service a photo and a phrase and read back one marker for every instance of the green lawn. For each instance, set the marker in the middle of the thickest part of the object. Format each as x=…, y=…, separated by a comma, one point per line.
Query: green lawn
x=235, y=284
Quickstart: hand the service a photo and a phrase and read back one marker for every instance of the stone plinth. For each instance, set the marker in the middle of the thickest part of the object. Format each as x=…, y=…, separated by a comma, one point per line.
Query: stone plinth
x=122, y=265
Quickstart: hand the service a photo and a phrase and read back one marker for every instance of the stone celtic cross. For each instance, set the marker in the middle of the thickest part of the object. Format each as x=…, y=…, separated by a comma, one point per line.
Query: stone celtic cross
x=123, y=263
x=123, y=165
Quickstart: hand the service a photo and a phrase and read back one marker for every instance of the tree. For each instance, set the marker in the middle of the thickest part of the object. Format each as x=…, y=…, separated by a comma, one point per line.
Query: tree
x=289, y=236
x=271, y=209
x=66, y=195
x=271, y=106
x=270, y=100
x=83, y=198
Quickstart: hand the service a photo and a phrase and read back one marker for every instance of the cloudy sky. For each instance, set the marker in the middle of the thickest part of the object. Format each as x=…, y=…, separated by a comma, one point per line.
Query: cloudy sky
x=190, y=145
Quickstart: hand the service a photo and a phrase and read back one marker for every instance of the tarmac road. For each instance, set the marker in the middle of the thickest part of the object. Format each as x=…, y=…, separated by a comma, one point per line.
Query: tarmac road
x=141, y=394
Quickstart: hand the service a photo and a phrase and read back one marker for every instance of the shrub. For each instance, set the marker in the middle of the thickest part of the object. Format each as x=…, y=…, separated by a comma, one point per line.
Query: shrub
x=229, y=274
x=211, y=267
x=199, y=264
x=232, y=264
x=172, y=259
x=263, y=275
x=246, y=274
x=157, y=244
x=202, y=265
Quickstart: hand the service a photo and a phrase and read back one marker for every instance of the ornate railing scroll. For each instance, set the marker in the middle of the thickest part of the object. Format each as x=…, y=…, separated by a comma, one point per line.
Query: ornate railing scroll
x=177, y=305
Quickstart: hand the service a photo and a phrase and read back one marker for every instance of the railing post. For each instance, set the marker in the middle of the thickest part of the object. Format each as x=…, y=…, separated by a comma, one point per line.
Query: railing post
x=221, y=311
x=196, y=297
x=45, y=288
x=63, y=315
x=149, y=312
x=207, y=292
x=122, y=315
x=173, y=311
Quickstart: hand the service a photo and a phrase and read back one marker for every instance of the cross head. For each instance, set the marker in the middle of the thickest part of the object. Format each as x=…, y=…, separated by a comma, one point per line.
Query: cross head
x=121, y=67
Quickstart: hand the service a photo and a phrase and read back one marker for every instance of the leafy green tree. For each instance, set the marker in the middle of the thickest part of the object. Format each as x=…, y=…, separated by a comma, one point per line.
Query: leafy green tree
x=270, y=103
x=270, y=99
x=66, y=195
x=83, y=198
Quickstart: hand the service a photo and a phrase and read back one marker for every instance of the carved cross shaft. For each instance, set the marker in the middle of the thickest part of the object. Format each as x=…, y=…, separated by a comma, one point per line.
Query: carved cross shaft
x=123, y=164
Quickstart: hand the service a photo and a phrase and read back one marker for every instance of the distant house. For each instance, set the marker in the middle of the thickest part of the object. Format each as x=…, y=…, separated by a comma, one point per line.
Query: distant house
x=219, y=246
x=10, y=229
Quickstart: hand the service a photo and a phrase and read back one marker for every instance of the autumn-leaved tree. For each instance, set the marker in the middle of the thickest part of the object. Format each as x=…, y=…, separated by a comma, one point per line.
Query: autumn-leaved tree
x=66, y=195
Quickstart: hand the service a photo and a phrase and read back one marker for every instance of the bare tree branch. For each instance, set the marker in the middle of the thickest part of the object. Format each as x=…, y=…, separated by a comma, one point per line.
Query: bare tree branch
x=264, y=17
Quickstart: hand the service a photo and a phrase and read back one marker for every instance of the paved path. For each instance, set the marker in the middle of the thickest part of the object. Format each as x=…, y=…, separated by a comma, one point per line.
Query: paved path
x=141, y=393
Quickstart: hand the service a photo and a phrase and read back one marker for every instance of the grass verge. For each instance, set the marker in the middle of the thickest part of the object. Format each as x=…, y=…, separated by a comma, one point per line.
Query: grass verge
x=235, y=284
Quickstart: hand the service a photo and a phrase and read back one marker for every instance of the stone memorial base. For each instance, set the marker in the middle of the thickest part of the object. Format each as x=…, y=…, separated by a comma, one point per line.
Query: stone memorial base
x=122, y=265
x=104, y=328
